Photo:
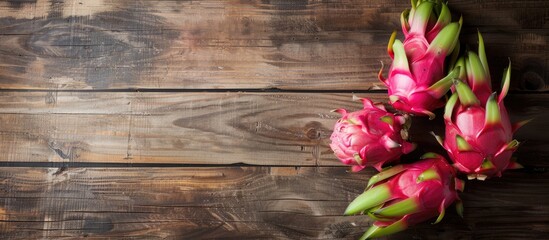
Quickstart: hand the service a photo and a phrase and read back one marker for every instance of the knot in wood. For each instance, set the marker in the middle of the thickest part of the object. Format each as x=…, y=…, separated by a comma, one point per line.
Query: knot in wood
x=313, y=130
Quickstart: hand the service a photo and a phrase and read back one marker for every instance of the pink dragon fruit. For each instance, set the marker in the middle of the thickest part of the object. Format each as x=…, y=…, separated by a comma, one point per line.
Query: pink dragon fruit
x=416, y=80
x=370, y=137
x=404, y=195
x=479, y=135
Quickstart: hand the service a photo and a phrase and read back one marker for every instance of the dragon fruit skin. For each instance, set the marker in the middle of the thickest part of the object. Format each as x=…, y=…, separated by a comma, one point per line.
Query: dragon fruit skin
x=405, y=195
x=416, y=81
x=370, y=137
x=479, y=134
x=479, y=139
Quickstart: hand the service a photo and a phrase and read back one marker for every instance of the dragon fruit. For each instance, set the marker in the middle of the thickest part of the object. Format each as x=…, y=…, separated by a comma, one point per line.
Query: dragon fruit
x=404, y=195
x=417, y=80
x=479, y=135
x=475, y=72
x=370, y=137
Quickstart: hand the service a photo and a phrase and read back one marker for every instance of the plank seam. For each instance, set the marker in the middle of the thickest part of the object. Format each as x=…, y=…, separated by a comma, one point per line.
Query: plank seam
x=224, y=90
x=199, y=90
x=141, y=165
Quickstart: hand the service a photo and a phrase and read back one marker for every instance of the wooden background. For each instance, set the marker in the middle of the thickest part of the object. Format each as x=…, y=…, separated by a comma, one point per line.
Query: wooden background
x=211, y=119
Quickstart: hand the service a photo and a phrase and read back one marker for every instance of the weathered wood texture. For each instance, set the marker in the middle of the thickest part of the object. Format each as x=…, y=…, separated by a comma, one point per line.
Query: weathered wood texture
x=241, y=203
x=205, y=128
x=242, y=44
x=204, y=161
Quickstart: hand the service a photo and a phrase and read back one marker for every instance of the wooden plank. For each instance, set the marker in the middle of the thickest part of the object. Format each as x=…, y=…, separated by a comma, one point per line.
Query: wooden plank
x=191, y=128
x=178, y=203
x=208, y=128
x=242, y=203
x=241, y=44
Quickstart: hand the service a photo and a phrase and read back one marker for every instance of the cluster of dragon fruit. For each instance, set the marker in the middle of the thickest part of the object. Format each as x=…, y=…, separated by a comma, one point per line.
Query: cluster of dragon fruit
x=428, y=71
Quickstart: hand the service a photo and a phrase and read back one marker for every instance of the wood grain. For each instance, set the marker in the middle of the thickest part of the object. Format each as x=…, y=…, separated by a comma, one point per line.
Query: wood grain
x=247, y=203
x=189, y=128
x=178, y=203
x=207, y=128
x=168, y=119
x=242, y=44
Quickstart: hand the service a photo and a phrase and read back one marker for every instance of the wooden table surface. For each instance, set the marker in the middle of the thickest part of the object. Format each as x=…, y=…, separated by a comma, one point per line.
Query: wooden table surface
x=211, y=119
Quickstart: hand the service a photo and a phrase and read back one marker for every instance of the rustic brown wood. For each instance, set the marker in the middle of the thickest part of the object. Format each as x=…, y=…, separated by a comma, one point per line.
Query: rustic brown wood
x=242, y=44
x=201, y=160
x=191, y=128
x=205, y=128
x=248, y=203
x=178, y=203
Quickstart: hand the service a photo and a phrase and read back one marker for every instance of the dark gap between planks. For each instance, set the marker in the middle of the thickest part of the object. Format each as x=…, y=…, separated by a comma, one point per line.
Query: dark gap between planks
x=225, y=90
x=139, y=165
x=198, y=90
x=66, y=165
